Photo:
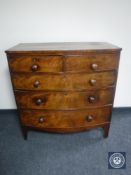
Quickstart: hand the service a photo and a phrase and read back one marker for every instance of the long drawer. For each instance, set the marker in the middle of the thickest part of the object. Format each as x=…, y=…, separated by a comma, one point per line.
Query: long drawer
x=63, y=100
x=75, y=63
x=64, y=81
x=65, y=119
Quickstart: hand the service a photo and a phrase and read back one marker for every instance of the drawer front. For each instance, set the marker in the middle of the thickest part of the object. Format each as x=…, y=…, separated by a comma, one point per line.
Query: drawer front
x=65, y=119
x=91, y=63
x=36, y=64
x=63, y=100
x=64, y=82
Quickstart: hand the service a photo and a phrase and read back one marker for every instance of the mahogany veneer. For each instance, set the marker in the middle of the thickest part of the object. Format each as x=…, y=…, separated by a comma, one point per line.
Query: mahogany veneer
x=64, y=87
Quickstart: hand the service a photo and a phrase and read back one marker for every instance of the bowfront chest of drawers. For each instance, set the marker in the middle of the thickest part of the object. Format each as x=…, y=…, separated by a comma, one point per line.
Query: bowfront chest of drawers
x=64, y=87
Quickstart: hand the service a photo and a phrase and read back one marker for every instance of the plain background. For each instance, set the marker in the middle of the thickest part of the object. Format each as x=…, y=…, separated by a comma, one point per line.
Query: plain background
x=61, y=21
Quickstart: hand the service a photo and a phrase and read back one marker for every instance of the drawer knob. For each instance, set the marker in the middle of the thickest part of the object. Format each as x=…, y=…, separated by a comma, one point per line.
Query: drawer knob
x=94, y=66
x=36, y=84
x=41, y=119
x=91, y=99
x=89, y=118
x=39, y=101
x=34, y=67
x=93, y=82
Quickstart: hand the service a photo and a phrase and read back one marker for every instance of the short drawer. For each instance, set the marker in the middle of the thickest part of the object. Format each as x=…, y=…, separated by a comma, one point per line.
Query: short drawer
x=64, y=82
x=35, y=64
x=63, y=100
x=65, y=119
x=92, y=62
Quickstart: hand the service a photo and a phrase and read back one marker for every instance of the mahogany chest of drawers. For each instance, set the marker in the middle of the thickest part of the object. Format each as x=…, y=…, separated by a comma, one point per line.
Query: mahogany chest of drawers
x=64, y=87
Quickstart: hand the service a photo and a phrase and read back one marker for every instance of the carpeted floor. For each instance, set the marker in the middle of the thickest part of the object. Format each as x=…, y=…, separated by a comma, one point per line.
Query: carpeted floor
x=83, y=153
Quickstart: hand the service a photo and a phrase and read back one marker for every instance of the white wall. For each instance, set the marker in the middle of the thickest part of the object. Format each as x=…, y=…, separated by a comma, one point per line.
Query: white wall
x=66, y=20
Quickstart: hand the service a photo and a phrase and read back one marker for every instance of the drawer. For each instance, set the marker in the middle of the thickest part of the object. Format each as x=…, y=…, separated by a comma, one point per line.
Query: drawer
x=91, y=63
x=63, y=100
x=64, y=82
x=65, y=119
x=35, y=64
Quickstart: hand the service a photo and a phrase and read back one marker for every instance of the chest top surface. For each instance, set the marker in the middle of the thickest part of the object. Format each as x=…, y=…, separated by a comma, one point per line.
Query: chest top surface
x=63, y=47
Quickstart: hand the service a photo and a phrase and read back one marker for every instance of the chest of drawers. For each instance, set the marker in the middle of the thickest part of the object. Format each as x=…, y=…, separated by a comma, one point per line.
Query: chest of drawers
x=64, y=87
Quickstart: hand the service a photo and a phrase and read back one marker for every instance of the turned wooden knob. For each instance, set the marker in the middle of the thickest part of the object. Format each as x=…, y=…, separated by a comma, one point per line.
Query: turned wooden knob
x=89, y=118
x=92, y=82
x=91, y=99
x=94, y=66
x=41, y=119
x=38, y=101
x=34, y=67
x=36, y=83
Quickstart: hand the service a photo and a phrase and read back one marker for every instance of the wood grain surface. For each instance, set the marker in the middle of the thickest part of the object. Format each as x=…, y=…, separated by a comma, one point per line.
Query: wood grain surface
x=65, y=119
x=63, y=100
x=44, y=63
x=64, y=82
x=71, y=63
